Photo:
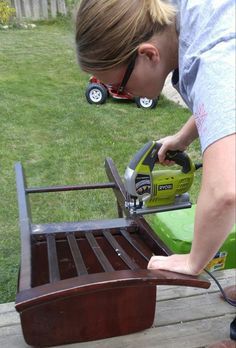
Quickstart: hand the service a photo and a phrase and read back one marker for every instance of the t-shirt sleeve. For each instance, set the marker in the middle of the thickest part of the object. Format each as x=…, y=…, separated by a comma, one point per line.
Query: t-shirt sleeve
x=212, y=92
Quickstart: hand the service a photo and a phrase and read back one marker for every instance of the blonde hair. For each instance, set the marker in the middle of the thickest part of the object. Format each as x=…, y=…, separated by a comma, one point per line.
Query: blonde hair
x=109, y=31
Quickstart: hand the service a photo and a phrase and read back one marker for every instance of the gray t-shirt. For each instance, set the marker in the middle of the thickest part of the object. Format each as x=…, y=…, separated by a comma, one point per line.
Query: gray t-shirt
x=206, y=75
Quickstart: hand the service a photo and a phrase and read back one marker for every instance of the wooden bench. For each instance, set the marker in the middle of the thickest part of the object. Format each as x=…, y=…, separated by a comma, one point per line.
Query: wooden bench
x=88, y=280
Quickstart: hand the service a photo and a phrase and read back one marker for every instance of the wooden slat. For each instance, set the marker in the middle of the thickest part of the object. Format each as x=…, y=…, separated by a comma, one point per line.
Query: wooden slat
x=134, y=244
x=36, y=9
x=53, y=5
x=225, y=278
x=54, y=274
x=27, y=8
x=44, y=6
x=82, y=226
x=119, y=189
x=61, y=7
x=17, y=5
x=104, y=281
x=99, y=253
x=150, y=238
x=78, y=260
x=70, y=188
x=120, y=251
x=25, y=229
x=205, y=306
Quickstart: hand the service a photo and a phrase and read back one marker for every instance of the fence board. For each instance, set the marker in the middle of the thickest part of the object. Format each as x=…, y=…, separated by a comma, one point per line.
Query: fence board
x=44, y=6
x=39, y=9
x=61, y=6
x=17, y=5
x=27, y=8
x=36, y=9
x=53, y=8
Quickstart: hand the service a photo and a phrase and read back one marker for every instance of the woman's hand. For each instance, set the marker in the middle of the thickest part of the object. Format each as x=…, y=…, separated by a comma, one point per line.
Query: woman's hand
x=170, y=143
x=179, y=141
x=174, y=263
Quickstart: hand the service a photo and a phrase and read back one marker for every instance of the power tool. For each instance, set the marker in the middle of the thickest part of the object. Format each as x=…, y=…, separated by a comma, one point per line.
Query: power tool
x=149, y=190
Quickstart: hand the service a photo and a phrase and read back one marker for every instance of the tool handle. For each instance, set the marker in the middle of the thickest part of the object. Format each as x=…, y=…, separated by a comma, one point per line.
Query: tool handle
x=179, y=157
x=150, y=154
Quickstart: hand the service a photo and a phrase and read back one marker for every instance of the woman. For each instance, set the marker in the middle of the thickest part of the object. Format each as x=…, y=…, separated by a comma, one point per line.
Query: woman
x=135, y=44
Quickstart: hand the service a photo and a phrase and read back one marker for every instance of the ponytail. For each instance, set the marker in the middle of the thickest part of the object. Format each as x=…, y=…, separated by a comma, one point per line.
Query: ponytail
x=160, y=11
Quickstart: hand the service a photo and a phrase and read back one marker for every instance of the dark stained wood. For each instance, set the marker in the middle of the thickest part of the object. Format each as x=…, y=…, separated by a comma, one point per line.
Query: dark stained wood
x=54, y=273
x=174, y=323
x=151, y=238
x=25, y=229
x=79, y=227
x=69, y=188
x=120, y=251
x=78, y=260
x=120, y=193
x=119, y=209
x=103, y=281
x=99, y=253
x=78, y=318
x=82, y=281
x=39, y=261
x=119, y=189
x=134, y=244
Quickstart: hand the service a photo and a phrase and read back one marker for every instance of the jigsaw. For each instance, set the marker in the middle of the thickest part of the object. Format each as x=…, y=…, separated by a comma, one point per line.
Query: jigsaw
x=149, y=190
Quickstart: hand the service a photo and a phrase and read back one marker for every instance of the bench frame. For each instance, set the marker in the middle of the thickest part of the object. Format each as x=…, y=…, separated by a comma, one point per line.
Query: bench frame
x=101, y=286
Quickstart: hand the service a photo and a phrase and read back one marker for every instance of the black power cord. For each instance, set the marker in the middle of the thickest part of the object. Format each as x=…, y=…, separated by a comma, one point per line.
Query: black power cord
x=198, y=165
x=231, y=302
x=233, y=330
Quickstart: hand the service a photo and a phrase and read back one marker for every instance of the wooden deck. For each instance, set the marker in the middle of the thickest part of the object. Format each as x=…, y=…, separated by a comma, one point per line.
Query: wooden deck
x=185, y=318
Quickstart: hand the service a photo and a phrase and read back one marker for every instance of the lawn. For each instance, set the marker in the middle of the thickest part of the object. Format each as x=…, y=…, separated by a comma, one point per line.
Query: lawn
x=47, y=125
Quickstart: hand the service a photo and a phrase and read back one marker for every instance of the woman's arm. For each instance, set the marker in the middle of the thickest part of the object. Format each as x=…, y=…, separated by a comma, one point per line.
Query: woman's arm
x=215, y=213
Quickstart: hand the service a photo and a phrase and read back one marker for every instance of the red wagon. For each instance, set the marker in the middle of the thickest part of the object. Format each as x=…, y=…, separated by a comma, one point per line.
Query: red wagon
x=97, y=93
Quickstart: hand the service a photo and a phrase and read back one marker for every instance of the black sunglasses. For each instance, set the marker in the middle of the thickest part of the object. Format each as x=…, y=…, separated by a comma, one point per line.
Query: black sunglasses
x=128, y=73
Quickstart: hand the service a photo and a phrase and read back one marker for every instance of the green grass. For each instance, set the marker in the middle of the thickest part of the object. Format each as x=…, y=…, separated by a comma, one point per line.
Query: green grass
x=47, y=125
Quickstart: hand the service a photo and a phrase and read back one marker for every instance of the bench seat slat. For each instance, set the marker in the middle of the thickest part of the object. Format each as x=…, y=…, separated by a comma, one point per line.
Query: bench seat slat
x=134, y=244
x=103, y=260
x=119, y=250
x=77, y=257
x=54, y=274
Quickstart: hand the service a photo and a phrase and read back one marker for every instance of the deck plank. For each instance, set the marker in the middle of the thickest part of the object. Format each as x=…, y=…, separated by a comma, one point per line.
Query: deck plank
x=191, y=308
x=195, y=319
x=197, y=334
x=225, y=278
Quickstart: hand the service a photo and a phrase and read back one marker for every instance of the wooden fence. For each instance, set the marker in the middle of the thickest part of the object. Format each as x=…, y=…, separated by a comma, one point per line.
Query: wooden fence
x=39, y=9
